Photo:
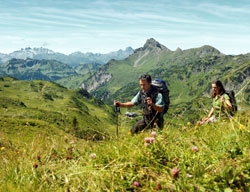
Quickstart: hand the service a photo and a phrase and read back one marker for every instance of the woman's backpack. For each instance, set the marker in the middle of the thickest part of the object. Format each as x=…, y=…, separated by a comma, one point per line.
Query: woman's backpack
x=232, y=101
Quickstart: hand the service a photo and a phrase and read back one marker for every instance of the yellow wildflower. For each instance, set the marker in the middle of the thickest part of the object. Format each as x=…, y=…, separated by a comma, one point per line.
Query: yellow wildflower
x=242, y=127
x=188, y=123
x=2, y=148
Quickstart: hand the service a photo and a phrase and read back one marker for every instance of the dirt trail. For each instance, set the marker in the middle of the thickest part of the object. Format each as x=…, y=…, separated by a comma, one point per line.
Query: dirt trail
x=140, y=58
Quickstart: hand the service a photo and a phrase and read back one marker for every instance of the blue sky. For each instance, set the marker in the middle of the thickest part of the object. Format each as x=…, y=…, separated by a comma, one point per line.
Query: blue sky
x=108, y=25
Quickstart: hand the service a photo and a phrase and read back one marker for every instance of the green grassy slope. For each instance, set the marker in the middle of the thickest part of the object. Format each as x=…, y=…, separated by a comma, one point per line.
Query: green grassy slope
x=29, y=108
x=213, y=157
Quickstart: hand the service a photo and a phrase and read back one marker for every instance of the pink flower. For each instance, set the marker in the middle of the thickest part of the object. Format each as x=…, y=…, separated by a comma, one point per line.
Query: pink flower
x=158, y=187
x=174, y=172
x=153, y=134
x=92, y=155
x=146, y=144
x=136, y=184
x=72, y=142
x=195, y=149
x=149, y=140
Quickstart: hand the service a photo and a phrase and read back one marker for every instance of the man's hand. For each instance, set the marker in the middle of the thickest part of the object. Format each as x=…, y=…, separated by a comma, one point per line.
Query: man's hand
x=117, y=103
x=149, y=101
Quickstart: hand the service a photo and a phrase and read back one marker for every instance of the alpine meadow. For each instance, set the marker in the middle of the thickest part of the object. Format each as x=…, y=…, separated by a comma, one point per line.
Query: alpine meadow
x=58, y=125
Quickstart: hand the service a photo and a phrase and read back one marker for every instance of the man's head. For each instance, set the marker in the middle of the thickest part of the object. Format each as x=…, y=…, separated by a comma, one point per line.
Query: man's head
x=145, y=82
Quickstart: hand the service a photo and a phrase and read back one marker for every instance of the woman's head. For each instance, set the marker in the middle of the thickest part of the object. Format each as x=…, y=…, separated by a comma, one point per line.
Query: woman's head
x=218, y=88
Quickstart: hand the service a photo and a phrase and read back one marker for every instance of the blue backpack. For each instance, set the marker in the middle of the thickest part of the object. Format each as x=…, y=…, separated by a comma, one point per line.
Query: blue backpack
x=163, y=89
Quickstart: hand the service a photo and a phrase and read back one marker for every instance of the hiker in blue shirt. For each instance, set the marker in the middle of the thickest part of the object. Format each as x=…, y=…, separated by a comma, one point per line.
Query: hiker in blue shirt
x=152, y=103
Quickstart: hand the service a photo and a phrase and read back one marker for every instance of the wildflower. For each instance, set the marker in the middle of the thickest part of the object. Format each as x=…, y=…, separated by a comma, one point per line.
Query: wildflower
x=174, y=172
x=72, y=142
x=89, y=138
x=153, y=134
x=69, y=157
x=146, y=144
x=35, y=165
x=188, y=123
x=136, y=184
x=92, y=156
x=24, y=151
x=2, y=148
x=195, y=149
x=149, y=140
x=158, y=187
x=189, y=176
x=192, y=123
x=242, y=127
x=184, y=128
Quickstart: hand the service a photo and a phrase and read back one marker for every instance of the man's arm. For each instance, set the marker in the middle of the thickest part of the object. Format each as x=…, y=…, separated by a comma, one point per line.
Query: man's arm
x=128, y=104
x=158, y=108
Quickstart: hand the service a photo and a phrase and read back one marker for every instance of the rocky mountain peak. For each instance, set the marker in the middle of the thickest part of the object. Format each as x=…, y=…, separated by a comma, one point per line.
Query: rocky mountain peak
x=178, y=49
x=152, y=44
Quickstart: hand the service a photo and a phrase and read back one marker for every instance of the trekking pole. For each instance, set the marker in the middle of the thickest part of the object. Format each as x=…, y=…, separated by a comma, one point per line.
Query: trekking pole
x=117, y=109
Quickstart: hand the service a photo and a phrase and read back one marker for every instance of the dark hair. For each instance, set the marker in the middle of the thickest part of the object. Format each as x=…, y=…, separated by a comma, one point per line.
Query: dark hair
x=221, y=88
x=146, y=77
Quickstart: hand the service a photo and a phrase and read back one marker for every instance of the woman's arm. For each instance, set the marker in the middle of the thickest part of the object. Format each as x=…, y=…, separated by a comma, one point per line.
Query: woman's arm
x=227, y=103
x=211, y=113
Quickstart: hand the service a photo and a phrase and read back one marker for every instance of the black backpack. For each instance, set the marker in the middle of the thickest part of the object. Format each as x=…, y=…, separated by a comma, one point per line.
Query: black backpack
x=232, y=101
x=163, y=89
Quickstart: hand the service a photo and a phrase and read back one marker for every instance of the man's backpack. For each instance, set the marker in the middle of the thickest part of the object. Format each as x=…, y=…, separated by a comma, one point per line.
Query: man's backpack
x=163, y=89
x=232, y=101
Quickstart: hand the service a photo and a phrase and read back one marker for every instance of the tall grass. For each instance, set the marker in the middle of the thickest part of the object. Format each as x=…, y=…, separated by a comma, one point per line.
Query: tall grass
x=220, y=162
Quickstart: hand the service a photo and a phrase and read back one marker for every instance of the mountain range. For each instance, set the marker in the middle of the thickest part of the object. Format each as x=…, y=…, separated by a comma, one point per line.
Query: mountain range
x=33, y=69
x=188, y=73
x=73, y=59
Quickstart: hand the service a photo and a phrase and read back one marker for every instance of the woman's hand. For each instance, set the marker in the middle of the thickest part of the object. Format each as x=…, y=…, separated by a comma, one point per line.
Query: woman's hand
x=222, y=99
